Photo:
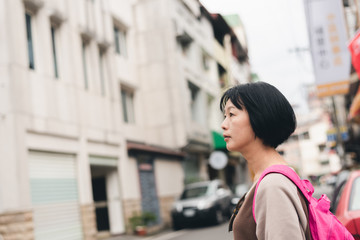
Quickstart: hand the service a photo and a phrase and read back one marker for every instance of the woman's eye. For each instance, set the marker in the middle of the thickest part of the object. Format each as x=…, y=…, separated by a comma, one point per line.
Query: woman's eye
x=230, y=114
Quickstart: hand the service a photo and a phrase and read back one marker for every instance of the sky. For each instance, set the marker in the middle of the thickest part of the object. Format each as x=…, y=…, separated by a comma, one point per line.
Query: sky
x=274, y=30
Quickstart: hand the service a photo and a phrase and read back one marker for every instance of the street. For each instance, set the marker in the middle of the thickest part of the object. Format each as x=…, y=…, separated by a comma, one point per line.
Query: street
x=203, y=232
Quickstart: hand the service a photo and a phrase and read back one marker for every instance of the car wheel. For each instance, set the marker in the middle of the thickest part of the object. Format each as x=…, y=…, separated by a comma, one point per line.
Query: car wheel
x=176, y=226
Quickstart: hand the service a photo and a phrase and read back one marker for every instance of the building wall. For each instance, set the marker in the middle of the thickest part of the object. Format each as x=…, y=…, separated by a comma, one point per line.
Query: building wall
x=240, y=73
x=60, y=115
x=169, y=177
x=164, y=71
x=17, y=225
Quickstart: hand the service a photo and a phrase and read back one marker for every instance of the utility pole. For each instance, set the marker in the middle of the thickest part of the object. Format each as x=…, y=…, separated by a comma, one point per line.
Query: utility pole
x=339, y=140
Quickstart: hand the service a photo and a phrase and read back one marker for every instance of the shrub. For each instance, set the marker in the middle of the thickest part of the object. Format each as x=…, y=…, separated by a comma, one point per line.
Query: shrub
x=142, y=219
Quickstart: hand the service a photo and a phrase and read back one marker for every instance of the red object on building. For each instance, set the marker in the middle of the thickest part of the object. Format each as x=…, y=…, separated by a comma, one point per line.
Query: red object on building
x=354, y=47
x=354, y=112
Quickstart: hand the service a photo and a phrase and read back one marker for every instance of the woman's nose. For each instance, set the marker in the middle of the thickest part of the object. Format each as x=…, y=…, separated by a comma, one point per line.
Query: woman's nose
x=224, y=124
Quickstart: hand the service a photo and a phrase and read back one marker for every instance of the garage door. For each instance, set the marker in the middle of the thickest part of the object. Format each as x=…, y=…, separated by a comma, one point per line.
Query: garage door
x=54, y=196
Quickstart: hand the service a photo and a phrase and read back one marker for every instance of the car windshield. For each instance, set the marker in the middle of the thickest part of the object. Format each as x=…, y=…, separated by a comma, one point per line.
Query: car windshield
x=194, y=192
x=355, y=195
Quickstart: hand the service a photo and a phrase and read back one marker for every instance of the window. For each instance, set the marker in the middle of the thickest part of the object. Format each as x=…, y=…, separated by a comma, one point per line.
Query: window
x=305, y=135
x=321, y=147
x=210, y=107
x=194, y=91
x=325, y=162
x=127, y=99
x=29, y=41
x=294, y=137
x=354, y=203
x=120, y=41
x=53, y=43
x=205, y=61
x=222, y=75
x=84, y=50
x=101, y=71
x=336, y=196
x=185, y=40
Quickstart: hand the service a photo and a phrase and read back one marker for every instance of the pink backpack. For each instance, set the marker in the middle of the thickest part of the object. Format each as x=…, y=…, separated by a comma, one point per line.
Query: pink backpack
x=323, y=224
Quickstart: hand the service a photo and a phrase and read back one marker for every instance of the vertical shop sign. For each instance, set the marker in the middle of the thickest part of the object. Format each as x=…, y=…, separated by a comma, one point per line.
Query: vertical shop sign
x=328, y=40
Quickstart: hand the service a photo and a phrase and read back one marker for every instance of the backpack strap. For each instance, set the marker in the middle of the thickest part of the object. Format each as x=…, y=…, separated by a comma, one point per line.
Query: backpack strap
x=303, y=185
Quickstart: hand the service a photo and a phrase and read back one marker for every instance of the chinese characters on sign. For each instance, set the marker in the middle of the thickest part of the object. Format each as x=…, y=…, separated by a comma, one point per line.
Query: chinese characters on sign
x=334, y=40
x=328, y=39
x=323, y=62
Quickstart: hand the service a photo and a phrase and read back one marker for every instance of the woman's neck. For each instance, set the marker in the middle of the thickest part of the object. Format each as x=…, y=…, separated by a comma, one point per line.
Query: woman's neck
x=261, y=158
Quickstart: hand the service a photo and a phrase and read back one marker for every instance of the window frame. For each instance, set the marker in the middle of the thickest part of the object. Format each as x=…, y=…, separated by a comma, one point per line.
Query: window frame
x=194, y=97
x=102, y=70
x=354, y=189
x=84, y=50
x=128, y=105
x=120, y=40
x=30, y=40
x=54, y=33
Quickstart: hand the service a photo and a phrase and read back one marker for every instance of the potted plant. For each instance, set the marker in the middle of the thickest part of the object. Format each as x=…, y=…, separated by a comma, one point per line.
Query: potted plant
x=139, y=222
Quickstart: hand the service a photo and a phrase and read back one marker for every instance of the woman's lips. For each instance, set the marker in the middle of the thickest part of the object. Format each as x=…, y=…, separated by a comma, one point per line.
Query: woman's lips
x=226, y=138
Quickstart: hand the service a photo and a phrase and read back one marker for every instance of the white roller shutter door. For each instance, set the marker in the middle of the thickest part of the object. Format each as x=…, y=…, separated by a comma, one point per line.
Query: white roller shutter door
x=54, y=195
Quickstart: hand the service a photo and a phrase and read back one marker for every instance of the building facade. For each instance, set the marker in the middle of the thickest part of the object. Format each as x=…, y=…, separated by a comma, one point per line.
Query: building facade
x=231, y=57
x=64, y=148
x=106, y=111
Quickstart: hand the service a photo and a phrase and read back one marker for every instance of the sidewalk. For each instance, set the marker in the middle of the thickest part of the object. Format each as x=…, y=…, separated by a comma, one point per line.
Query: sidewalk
x=134, y=237
x=126, y=237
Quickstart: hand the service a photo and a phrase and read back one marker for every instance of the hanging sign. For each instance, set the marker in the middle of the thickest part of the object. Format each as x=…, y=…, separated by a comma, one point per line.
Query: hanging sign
x=328, y=41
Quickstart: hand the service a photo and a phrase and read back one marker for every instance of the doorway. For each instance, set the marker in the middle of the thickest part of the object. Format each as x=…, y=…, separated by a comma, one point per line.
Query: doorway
x=100, y=202
x=106, y=195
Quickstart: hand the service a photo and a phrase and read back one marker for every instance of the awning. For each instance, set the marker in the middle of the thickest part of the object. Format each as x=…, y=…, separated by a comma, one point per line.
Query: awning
x=195, y=146
x=142, y=147
x=354, y=112
x=218, y=140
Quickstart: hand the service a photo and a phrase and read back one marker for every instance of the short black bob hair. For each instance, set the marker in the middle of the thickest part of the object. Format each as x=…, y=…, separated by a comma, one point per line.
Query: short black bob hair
x=271, y=116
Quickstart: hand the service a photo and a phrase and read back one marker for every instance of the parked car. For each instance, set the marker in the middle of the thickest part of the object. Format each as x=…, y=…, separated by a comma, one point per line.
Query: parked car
x=346, y=203
x=200, y=203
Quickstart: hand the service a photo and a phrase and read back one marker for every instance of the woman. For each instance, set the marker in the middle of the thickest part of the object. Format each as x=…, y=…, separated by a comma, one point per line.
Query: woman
x=257, y=119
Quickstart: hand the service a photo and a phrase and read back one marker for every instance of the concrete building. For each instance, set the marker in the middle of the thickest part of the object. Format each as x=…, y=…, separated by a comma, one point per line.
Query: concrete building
x=178, y=92
x=240, y=69
x=231, y=58
x=179, y=85
x=308, y=149
x=64, y=169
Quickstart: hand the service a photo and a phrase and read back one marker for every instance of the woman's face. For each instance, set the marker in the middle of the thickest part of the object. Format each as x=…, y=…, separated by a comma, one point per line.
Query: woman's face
x=238, y=132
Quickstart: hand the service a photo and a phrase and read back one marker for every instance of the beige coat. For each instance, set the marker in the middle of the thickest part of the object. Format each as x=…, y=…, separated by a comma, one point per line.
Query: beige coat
x=281, y=212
